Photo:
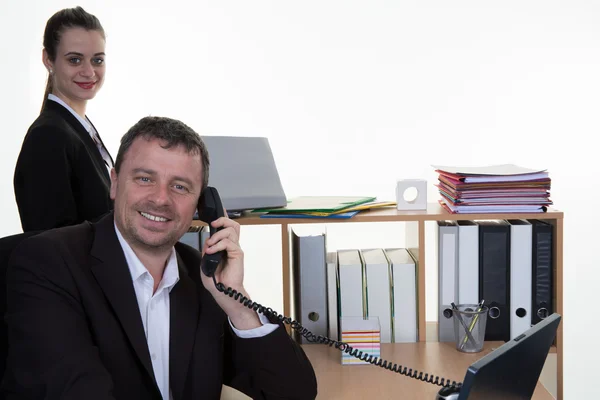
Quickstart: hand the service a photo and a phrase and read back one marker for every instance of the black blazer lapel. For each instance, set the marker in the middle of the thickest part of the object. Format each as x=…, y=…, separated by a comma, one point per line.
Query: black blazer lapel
x=184, y=322
x=53, y=107
x=98, y=134
x=112, y=273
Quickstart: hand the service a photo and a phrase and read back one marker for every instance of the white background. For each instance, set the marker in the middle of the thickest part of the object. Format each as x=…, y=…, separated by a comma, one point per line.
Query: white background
x=352, y=95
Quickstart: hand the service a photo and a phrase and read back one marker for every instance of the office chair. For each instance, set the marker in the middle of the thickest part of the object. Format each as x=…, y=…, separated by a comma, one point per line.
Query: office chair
x=7, y=245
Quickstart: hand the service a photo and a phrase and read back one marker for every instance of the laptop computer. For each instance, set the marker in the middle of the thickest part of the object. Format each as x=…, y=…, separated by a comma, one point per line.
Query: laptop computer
x=244, y=172
x=512, y=371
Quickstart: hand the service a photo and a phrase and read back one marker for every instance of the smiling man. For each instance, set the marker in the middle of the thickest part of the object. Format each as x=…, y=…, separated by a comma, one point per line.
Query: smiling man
x=119, y=309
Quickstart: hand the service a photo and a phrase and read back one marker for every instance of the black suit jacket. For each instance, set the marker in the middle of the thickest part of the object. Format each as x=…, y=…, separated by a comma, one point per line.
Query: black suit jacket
x=75, y=330
x=60, y=177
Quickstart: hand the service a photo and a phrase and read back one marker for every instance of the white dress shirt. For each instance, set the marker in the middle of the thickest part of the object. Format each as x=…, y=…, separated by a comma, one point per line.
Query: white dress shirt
x=155, y=311
x=89, y=128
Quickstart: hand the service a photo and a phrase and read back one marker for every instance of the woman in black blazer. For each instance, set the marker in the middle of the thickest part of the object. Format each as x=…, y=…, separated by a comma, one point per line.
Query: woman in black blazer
x=62, y=173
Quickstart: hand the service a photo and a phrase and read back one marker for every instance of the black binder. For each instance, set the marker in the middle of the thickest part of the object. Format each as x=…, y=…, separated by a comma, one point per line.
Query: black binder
x=542, y=282
x=494, y=277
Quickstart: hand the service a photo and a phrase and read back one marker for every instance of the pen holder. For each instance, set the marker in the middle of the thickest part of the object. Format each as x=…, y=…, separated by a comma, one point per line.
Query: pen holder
x=469, y=327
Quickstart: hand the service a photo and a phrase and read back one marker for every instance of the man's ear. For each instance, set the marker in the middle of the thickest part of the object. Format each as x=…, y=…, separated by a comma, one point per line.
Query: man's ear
x=113, y=184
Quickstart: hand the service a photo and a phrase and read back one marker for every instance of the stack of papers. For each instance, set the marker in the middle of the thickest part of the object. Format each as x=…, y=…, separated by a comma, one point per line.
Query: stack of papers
x=505, y=188
x=324, y=207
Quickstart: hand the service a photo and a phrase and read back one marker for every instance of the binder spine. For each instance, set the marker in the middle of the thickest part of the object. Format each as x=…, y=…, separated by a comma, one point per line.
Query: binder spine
x=494, y=277
x=377, y=271
x=448, y=261
x=520, y=277
x=404, y=295
x=542, y=285
x=468, y=263
x=333, y=316
x=310, y=283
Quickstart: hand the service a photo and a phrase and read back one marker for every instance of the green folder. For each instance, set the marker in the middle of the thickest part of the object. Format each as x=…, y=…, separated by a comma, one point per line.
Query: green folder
x=318, y=203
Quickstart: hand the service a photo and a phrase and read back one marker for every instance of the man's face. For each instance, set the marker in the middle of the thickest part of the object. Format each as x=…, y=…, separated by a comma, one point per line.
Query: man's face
x=155, y=193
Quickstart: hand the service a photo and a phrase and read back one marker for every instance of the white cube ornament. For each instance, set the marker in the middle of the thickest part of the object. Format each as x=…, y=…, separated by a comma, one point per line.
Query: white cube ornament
x=419, y=203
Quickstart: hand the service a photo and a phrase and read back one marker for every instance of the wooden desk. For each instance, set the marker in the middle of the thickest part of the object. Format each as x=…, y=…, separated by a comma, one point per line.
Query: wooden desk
x=355, y=382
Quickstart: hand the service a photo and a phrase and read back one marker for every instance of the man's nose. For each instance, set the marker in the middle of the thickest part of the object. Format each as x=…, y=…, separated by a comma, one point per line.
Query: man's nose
x=161, y=194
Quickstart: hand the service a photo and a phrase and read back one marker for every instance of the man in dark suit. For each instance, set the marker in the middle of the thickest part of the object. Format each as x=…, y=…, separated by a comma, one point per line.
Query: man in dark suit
x=119, y=309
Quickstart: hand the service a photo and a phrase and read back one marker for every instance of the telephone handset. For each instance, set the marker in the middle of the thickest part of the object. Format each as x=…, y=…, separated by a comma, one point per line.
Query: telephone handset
x=211, y=208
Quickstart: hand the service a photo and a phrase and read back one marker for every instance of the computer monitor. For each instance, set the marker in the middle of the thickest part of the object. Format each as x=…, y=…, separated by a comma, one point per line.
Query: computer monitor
x=511, y=372
x=243, y=170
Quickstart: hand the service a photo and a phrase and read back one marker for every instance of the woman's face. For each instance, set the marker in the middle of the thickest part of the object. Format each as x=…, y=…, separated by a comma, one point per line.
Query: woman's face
x=77, y=73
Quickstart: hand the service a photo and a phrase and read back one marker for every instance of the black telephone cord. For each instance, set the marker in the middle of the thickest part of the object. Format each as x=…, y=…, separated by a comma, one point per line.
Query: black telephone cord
x=342, y=346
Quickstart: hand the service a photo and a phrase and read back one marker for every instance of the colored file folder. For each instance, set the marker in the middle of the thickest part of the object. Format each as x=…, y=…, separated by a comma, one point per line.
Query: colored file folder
x=318, y=204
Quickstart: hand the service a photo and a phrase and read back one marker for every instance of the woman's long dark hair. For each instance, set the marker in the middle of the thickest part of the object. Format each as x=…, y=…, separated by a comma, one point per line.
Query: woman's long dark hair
x=62, y=20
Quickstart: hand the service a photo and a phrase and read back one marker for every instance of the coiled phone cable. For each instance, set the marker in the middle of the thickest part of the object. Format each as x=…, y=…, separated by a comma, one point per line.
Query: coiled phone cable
x=342, y=346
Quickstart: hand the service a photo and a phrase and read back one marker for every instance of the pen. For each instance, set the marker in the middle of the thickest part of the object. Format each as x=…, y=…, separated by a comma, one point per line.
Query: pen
x=479, y=308
x=468, y=333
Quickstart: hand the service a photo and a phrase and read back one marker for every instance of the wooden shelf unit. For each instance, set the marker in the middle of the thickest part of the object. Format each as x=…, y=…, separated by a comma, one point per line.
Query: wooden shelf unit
x=415, y=240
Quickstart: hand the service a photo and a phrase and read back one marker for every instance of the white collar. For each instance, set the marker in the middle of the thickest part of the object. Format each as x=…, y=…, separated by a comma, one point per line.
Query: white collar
x=137, y=269
x=84, y=122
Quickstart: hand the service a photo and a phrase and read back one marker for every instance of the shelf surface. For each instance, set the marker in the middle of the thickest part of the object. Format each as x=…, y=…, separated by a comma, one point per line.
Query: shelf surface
x=434, y=212
x=337, y=381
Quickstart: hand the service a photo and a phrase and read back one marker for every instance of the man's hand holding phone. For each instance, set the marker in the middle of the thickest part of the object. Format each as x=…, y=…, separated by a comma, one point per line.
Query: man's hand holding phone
x=230, y=272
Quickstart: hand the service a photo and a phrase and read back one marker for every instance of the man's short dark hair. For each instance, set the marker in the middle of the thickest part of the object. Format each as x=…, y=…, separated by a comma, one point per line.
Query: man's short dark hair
x=173, y=133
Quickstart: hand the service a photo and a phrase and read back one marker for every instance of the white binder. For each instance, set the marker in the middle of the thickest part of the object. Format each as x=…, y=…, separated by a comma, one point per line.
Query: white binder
x=377, y=272
x=404, y=294
x=448, y=260
x=468, y=262
x=333, y=320
x=520, y=276
x=350, y=269
x=310, y=287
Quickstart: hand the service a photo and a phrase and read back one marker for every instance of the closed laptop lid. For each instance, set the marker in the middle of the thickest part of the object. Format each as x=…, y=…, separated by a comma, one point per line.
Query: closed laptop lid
x=243, y=170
